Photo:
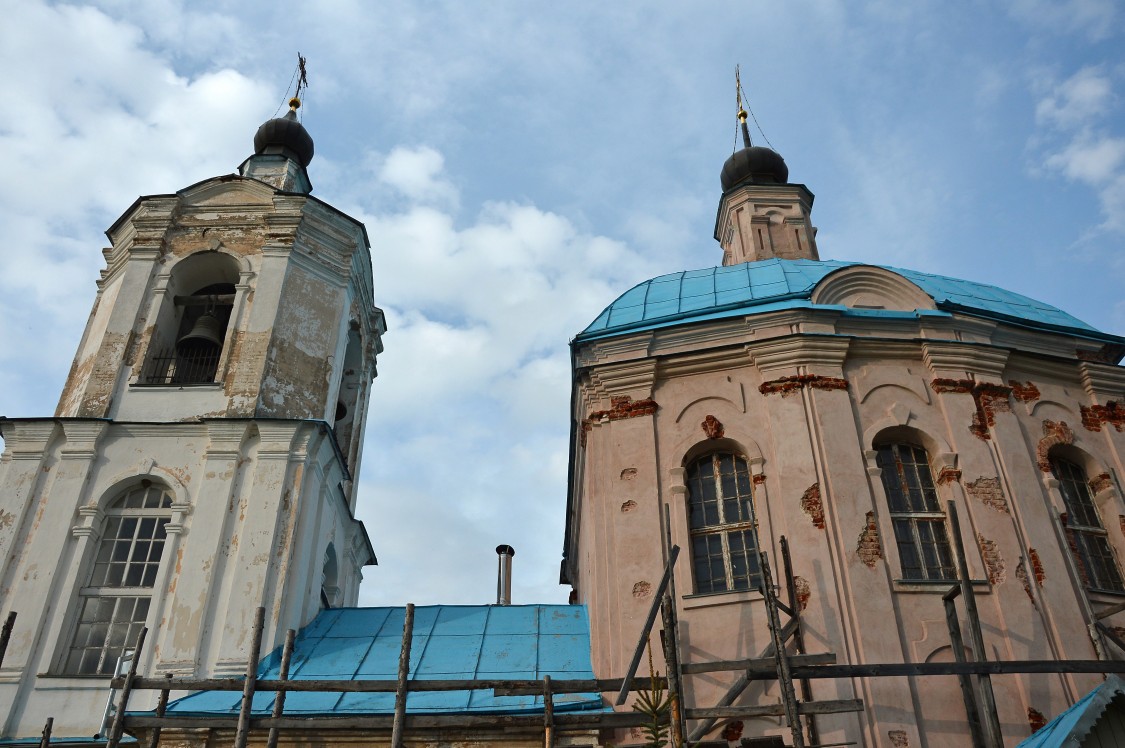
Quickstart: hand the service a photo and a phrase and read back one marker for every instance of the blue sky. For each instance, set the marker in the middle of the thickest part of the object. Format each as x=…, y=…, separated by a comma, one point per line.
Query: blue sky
x=520, y=164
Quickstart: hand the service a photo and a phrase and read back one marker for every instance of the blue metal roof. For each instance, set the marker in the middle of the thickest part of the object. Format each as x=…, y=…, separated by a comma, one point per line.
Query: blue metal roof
x=1070, y=727
x=450, y=642
x=768, y=285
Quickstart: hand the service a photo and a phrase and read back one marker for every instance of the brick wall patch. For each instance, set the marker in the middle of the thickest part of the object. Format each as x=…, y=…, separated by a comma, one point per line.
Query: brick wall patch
x=620, y=407
x=1025, y=393
x=989, y=493
x=948, y=475
x=993, y=561
x=804, y=592
x=1037, y=566
x=869, y=549
x=989, y=398
x=629, y=474
x=1110, y=414
x=789, y=385
x=759, y=479
x=812, y=505
x=898, y=738
x=1100, y=483
x=1025, y=580
x=713, y=427
x=642, y=589
x=628, y=506
x=1054, y=433
x=1035, y=718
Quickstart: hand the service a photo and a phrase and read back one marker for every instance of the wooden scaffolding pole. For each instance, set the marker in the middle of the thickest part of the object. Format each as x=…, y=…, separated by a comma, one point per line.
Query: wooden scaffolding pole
x=6, y=634
x=965, y=680
x=397, y=740
x=161, y=709
x=784, y=677
x=642, y=642
x=282, y=677
x=118, y=726
x=798, y=635
x=251, y=681
x=984, y=681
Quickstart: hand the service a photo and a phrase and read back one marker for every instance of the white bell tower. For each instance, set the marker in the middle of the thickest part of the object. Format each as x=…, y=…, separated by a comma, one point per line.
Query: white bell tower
x=202, y=458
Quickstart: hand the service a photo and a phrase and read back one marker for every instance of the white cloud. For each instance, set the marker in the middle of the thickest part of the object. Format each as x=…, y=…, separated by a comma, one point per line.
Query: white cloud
x=1085, y=95
x=416, y=173
x=1091, y=160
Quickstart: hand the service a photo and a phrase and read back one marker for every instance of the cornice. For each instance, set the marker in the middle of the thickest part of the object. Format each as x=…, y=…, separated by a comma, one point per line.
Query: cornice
x=618, y=379
x=954, y=360
x=717, y=359
x=598, y=352
x=814, y=352
x=1102, y=379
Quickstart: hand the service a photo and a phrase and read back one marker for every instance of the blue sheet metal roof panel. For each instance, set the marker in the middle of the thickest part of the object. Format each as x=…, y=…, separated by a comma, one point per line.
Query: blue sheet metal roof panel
x=1071, y=726
x=766, y=285
x=450, y=642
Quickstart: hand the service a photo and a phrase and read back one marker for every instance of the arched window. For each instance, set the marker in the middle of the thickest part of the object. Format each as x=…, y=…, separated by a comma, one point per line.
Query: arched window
x=1084, y=528
x=113, y=606
x=919, y=522
x=724, y=538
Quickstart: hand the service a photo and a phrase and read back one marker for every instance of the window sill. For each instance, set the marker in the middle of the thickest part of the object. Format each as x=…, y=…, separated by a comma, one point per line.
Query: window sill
x=709, y=599
x=934, y=586
x=60, y=680
x=175, y=386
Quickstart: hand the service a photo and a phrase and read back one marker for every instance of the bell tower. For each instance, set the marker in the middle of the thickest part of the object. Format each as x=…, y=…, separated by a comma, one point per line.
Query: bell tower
x=202, y=457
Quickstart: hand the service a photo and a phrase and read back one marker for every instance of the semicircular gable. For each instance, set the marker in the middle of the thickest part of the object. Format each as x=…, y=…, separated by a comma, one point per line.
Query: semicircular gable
x=868, y=287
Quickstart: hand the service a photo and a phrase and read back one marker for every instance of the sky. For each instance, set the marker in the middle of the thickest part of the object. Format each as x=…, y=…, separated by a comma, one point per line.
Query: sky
x=521, y=164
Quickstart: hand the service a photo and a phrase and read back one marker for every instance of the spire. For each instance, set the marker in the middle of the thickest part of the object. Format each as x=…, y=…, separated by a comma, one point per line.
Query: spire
x=282, y=146
x=761, y=215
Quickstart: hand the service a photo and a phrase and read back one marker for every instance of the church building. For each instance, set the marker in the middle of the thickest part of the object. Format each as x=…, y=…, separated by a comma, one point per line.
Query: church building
x=845, y=408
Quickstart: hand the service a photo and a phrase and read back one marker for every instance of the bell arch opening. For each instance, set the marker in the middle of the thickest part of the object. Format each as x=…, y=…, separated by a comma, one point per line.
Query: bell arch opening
x=190, y=333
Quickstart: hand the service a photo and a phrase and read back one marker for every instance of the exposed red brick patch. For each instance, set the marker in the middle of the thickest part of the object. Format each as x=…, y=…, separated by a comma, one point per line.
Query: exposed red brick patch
x=620, y=407
x=732, y=731
x=1103, y=355
x=1037, y=566
x=628, y=506
x=948, y=475
x=989, y=398
x=642, y=589
x=1035, y=718
x=1054, y=433
x=713, y=427
x=759, y=479
x=812, y=505
x=1025, y=580
x=869, y=549
x=1100, y=483
x=804, y=592
x=898, y=738
x=1025, y=393
x=788, y=385
x=1121, y=521
x=989, y=493
x=1095, y=416
x=993, y=561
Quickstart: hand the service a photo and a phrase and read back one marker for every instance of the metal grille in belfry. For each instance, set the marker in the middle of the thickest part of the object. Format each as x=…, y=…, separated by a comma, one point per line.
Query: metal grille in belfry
x=183, y=366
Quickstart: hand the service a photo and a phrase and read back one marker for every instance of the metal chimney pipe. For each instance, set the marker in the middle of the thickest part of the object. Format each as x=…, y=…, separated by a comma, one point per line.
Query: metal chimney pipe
x=504, y=574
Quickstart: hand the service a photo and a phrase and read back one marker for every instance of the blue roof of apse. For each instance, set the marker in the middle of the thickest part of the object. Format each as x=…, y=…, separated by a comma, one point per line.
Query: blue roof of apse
x=769, y=285
x=1072, y=726
x=450, y=642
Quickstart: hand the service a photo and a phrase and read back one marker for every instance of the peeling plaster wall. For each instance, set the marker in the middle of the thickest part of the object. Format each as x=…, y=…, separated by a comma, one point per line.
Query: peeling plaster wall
x=640, y=404
x=249, y=526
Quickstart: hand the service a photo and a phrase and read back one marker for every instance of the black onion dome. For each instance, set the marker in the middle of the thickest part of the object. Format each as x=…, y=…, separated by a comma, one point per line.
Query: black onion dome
x=285, y=134
x=754, y=164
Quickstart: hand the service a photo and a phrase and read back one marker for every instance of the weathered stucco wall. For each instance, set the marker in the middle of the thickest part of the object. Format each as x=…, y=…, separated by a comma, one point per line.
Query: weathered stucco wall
x=805, y=396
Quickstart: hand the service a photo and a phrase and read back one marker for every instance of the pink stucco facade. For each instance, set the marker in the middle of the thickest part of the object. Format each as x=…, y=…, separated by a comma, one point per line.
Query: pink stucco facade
x=806, y=396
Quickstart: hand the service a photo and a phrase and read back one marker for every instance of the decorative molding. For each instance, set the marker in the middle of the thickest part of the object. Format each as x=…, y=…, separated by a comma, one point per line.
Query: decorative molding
x=795, y=351
x=954, y=360
x=864, y=286
x=633, y=378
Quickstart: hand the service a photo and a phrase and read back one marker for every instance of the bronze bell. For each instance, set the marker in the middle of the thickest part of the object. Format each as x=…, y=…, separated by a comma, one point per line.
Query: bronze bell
x=208, y=329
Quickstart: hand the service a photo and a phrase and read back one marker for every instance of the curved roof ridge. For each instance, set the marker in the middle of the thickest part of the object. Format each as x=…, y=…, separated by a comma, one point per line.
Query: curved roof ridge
x=766, y=285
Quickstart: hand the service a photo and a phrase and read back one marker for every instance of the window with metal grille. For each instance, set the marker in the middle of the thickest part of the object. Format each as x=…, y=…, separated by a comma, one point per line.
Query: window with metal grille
x=1084, y=528
x=113, y=606
x=916, y=515
x=724, y=533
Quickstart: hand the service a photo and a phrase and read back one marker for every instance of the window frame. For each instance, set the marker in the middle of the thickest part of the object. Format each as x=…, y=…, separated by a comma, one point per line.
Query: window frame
x=912, y=505
x=744, y=526
x=117, y=532
x=1078, y=500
